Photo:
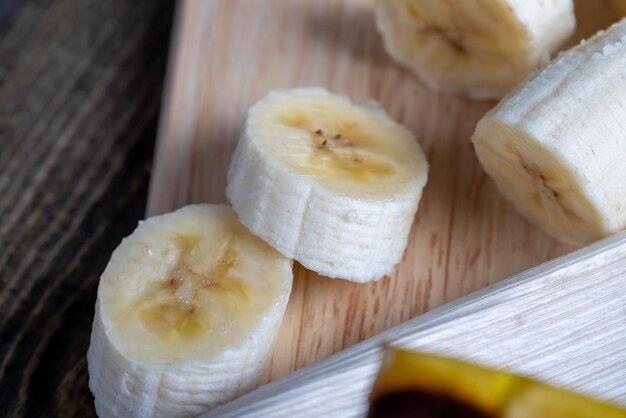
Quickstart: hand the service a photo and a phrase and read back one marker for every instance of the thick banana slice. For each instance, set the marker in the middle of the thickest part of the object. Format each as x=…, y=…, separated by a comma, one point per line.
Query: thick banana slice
x=481, y=48
x=556, y=146
x=187, y=311
x=328, y=183
x=619, y=6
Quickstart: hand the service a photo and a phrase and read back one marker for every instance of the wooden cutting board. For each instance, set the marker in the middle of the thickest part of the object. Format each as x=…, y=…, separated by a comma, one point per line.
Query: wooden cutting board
x=227, y=54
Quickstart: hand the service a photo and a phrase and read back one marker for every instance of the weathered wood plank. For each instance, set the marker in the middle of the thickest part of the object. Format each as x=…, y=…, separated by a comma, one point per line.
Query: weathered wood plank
x=80, y=87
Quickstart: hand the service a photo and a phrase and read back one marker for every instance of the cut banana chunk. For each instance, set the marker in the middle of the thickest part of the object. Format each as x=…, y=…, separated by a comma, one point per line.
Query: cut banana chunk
x=187, y=312
x=481, y=48
x=619, y=6
x=328, y=183
x=556, y=146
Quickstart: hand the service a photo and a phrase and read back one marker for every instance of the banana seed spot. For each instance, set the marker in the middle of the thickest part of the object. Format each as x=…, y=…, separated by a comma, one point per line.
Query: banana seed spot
x=171, y=310
x=455, y=40
x=339, y=146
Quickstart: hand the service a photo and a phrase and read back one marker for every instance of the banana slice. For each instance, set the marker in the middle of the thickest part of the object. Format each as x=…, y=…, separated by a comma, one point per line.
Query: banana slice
x=619, y=6
x=481, y=48
x=556, y=146
x=186, y=315
x=328, y=183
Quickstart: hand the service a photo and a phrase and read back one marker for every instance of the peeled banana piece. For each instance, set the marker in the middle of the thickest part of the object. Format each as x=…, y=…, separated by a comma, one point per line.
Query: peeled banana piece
x=328, y=183
x=555, y=147
x=481, y=48
x=411, y=383
x=186, y=316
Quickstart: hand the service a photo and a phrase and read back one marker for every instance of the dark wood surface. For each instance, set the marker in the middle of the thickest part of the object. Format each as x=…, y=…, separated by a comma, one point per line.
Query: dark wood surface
x=80, y=88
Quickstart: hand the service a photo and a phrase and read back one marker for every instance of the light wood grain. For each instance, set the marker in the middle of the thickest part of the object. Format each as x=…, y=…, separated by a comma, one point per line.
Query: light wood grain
x=227, y=54
x=563, y=322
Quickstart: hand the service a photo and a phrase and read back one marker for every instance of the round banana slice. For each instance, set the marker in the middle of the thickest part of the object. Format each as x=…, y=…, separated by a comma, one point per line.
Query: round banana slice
x=555, y=147
x=481, y=48
x=328, y=183
x=187, y=312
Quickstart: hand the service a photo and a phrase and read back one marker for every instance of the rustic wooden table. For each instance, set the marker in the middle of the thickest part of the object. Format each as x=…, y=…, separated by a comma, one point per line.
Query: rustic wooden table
x=80, y=87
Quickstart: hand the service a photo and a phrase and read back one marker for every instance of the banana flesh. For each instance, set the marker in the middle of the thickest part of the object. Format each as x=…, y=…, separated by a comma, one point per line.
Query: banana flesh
x=187, y=312
x=328, y=183
x=481, y=48
x=555, y=146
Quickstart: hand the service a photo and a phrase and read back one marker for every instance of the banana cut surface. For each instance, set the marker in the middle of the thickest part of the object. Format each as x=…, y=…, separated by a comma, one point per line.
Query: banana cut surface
x=555, y=147
x=187, y=312
x=328, y=183
x=481, y=48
